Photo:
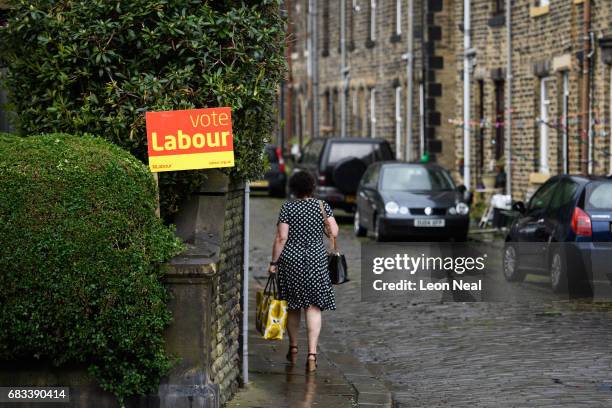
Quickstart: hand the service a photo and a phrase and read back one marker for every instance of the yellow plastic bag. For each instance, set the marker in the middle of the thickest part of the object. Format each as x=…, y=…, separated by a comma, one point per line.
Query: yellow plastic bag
x=271, y=312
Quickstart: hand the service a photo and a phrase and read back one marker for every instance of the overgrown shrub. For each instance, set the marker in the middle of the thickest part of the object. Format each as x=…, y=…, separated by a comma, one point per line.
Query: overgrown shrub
x=96, y=66
x=80, y=262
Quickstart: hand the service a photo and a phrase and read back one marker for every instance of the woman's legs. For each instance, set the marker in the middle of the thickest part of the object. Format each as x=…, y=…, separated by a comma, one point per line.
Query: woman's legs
x=293, y=326
x=313, y=324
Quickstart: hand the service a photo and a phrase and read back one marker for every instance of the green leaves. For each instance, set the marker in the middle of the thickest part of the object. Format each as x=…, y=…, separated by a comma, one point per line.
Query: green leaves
x=81, y=257
x=97, y=66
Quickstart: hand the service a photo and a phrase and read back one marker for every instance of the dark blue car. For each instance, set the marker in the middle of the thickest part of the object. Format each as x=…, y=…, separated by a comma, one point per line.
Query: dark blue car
x=565, y=231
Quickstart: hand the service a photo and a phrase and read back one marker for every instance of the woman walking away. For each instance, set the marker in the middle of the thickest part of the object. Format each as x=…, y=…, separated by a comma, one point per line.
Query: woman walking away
x=299, y=255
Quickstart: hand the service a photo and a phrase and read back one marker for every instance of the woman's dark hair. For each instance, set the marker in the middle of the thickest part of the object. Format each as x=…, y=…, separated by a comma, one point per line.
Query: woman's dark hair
x=302, y=184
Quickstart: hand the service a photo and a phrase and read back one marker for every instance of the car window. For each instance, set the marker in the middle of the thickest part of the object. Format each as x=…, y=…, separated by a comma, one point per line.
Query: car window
x=600, y=197
x=363, y=151
x=312, y=152
x=564, y=194
x=416, y=178
x=542, y=197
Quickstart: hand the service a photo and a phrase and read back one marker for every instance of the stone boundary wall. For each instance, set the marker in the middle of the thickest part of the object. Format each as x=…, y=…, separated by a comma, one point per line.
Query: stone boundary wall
x=226, y=345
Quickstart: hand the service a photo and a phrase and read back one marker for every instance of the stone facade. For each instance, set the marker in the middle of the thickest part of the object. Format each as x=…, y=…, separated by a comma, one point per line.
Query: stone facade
x=547, y=75
x=376, y=44
x=547, y=54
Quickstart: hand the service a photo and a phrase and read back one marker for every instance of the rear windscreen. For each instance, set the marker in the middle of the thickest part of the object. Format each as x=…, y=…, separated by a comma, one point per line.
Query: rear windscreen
x=363, y=151
x=599, y=197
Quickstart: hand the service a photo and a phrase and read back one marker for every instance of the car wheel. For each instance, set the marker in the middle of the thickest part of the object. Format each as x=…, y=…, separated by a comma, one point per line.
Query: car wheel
x=558, y=271
x=512, y=270
x=379, y=235
x=359, y=230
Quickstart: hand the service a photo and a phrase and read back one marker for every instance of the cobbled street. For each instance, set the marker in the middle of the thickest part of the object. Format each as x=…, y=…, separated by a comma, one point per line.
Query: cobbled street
x=550, y=353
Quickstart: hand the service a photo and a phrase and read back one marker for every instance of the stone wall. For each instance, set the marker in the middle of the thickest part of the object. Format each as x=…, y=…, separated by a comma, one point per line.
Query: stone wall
x=226, y=345
x=547, y=44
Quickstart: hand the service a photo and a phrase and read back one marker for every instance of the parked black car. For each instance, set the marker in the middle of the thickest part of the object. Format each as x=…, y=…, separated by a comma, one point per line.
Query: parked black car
x=275, y=179
x=401, y=200
x=566, y=225
x=339, y=163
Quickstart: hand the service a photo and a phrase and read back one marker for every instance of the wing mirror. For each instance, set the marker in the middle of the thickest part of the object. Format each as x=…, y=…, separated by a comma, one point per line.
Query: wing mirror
x=519, y=206
x=466, y=195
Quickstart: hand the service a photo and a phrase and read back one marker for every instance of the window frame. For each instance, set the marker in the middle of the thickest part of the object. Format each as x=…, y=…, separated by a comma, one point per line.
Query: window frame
x=543, y=127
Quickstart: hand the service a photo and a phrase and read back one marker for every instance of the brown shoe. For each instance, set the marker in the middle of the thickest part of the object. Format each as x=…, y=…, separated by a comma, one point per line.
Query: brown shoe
x=311, y=363
x=292, y=354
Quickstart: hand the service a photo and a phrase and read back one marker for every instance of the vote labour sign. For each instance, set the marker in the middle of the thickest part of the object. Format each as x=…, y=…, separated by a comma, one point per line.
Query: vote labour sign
x=190, y=139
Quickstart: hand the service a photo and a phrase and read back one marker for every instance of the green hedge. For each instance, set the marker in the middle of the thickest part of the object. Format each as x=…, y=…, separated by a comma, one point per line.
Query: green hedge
x=97, y=66
x=80, y=264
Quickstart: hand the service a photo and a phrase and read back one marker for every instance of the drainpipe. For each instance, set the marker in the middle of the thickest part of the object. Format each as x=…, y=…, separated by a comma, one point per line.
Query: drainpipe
x=466, y=93
x=343, y=68
x=245, y=287
x=409, y=81
x=315, y=71
x=585, y=94
x=509, y=98
x=422, y=84
x=289, y=96
x=421, y=120
x=591, y=90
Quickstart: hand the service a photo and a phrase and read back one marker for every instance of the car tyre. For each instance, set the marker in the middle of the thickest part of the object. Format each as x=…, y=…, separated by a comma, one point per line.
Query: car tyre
x=557, y=266
x=360, y=231
x=511, y=266
x=379, y=234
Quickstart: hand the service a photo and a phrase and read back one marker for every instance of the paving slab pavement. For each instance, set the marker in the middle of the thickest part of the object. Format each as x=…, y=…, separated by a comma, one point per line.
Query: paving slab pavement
x=340, y=381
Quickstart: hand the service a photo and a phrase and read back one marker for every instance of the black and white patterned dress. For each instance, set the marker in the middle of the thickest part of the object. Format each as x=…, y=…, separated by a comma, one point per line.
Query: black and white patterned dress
x=302, y=266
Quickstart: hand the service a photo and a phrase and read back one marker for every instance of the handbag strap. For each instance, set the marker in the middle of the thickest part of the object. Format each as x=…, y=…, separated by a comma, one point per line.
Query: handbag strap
x=271, y=286
x=327, y=233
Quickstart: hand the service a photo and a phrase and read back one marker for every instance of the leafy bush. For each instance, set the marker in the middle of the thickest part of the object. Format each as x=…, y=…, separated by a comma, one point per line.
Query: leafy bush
x=80, y=263
x=97, y=66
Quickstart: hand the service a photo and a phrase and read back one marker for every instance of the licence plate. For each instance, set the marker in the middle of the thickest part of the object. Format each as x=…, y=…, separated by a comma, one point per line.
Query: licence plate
x=429, y=223
x=260, y=183
x=350, y=199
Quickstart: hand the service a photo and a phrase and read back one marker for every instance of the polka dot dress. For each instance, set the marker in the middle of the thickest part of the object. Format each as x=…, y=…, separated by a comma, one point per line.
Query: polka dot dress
x=302, y=266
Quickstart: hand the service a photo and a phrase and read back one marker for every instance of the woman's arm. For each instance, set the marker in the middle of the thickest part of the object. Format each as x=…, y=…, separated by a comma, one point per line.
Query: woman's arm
x=282, y=233
x=333, y=226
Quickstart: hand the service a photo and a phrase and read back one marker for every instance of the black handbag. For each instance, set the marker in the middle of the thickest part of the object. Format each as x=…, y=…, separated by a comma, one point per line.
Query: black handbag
x=336, y=262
